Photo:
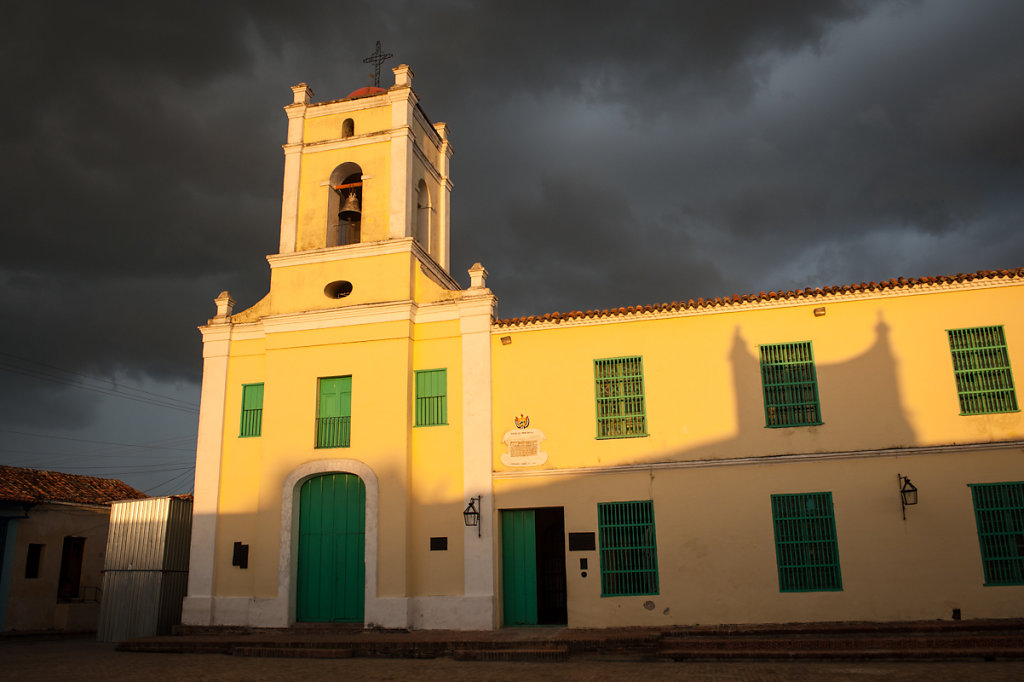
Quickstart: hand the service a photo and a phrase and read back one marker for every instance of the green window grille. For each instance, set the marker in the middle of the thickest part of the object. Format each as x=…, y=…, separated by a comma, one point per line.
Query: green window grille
x=806, y=548
x=619, y=390
x=981, y=366
x=999, y=511
x=790, y=385
x=431, y=397
x=252, y=411
x=334, y=412
x=629, y=553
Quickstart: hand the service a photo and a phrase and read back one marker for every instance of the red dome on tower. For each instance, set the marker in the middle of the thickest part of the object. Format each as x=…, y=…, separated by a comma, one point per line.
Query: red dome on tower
x=368, y=91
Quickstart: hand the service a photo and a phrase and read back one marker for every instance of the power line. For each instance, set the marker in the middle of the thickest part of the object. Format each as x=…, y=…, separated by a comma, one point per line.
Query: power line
x=108, y=387
x=103, y=442
x=168, y=481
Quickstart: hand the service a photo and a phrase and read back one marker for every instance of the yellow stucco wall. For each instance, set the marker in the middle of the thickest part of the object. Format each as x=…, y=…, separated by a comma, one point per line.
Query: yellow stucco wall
x=884, y=372
x=716, y=551
x=419, y=468
x=710, y=465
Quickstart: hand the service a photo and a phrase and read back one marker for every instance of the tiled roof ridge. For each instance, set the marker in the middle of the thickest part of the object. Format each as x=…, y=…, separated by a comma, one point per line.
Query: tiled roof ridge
x=740, y=299
x=21, y=484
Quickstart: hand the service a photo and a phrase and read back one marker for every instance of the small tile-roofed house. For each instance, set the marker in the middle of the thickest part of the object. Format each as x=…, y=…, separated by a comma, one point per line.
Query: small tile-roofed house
x=53, y=534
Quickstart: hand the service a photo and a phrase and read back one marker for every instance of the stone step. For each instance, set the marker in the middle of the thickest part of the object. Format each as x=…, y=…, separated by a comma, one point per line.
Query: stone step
x=807, y=643
x=509, y=654
x=988, y=654
x=936, y=627
x=290, y=652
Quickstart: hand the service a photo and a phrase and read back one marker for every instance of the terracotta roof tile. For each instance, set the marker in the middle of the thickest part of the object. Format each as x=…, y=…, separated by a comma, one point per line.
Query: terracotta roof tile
x=33, y=485
x=737, y=299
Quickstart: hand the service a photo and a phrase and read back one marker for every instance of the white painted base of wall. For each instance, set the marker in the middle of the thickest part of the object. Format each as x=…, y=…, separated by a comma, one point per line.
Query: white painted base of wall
x=422, y=613
x=451, y=613
x=197, y=611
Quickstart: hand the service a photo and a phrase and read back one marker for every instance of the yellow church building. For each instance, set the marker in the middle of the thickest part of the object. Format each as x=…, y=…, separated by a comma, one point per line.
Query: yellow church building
x=376, y=447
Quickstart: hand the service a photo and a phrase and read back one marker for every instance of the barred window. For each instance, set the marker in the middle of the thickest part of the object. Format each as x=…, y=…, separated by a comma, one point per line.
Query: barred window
x=999, y=511
x=790, y=385
x=806, y=547
x=629, y=553
x=252, y=411
x=334, y=412
x=981, y=366
x=431, y=397
x=619, y=392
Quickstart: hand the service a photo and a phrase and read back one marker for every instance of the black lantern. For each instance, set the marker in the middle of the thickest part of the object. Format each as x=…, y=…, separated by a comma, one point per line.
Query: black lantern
x=908, y=493
x=472, y=514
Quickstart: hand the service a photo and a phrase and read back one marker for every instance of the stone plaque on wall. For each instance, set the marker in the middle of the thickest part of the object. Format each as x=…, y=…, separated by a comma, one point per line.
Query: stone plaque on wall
x=523, y=448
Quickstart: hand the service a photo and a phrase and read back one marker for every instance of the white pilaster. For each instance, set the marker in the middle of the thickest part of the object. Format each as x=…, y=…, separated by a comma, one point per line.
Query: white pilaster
x=197, y=609
x=475, y=312
x=400, y=219
x=292, y=166
x=444, y=202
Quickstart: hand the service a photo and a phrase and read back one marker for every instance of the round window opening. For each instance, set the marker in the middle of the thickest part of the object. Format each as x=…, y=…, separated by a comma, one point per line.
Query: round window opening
x=339, y=289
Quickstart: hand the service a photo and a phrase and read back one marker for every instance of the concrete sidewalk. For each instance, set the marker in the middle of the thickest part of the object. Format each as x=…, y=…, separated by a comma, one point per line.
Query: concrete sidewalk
x=920, y=640
x=82, y=659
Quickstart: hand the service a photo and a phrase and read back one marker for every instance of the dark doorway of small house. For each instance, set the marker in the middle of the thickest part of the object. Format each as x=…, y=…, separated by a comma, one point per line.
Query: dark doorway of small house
x=533, y=566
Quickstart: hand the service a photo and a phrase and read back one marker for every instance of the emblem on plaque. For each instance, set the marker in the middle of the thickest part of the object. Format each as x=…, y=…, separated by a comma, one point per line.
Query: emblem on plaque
x=522, y=421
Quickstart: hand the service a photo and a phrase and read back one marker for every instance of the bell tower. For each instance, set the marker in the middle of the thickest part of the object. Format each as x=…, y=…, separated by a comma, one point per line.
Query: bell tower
x=364, y=169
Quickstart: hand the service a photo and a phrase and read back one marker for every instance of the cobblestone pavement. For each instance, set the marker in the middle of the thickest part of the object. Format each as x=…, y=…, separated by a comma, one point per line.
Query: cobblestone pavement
x=79, y=658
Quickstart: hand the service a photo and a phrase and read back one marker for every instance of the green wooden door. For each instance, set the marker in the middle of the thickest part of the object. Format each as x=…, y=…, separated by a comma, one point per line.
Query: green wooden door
x=519, y=566
x=331, y=563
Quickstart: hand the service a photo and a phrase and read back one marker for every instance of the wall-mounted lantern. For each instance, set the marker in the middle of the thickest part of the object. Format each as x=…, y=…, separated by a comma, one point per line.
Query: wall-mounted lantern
x=472, y=514
x=908, y=493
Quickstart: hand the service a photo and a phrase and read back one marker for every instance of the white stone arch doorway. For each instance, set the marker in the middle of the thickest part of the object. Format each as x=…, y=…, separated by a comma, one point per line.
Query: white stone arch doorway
x=378, y=612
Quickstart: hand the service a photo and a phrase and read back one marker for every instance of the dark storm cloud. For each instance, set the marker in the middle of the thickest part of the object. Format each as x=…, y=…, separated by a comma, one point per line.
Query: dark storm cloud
x=606, y=155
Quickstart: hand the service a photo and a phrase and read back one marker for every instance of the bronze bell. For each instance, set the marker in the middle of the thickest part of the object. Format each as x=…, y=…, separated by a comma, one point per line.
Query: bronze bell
x=350, y=210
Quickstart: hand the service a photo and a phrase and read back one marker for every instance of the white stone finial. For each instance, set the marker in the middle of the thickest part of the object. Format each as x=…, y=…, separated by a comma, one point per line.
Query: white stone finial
x=477, y=276
x=302, y=93
x=403, y=75
x=225, y=304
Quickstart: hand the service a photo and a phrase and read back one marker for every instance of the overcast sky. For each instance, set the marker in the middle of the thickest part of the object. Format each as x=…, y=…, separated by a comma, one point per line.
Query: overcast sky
x=606, y=154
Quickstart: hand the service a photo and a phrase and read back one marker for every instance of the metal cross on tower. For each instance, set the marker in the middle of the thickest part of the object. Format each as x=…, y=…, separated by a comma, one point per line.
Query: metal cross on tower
x=377, y=58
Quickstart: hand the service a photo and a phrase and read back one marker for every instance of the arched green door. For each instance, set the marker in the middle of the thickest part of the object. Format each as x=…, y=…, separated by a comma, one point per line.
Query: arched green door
x=331, y=564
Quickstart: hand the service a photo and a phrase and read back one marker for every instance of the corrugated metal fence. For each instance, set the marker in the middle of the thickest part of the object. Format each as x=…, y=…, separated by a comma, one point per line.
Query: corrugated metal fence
x=145, y=573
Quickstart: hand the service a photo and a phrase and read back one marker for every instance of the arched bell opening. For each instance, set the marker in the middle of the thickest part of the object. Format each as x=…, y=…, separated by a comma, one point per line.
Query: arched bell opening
x=348, y=128
x=344, y=205
x=423, y=215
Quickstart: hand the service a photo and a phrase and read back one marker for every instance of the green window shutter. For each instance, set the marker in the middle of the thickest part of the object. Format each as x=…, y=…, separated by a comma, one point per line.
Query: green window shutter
x=431, y=397
x=629, y=552
x=981, y=366
x=619, y=394
x=334, y=412
x=790, y=385
x=806, y=547
x=252, y=411
x=999, y=512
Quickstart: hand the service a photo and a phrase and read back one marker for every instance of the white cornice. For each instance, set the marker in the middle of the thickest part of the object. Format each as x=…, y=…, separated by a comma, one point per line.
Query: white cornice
x=421, y=155
x=339, y=253
x=441, y=311
x=768, y=459
x=383, y=248
x=344, y=106
x=733, y=307
x=338, y=143
x=431, y=267
x=369, y=313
